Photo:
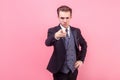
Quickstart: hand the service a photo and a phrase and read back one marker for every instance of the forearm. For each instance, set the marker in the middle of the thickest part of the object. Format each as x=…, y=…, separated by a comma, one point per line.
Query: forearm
x=83, y=51
x=50, y=38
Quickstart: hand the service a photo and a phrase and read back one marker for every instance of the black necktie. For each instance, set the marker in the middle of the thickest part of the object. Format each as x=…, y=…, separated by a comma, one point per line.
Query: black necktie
x=66, y=33
x=66, y=39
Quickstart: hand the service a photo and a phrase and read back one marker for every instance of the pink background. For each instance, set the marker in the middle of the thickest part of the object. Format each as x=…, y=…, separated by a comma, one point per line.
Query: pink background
x=23, y=30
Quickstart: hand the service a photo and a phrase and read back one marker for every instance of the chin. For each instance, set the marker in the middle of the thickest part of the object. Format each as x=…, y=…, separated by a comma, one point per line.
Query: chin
x=65, y=25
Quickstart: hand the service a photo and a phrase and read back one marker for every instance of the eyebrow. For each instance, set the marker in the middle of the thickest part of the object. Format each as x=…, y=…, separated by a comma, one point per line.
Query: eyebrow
x=64, y=17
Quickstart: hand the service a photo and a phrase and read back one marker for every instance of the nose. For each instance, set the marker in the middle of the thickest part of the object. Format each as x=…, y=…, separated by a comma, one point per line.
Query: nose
x=65, y=20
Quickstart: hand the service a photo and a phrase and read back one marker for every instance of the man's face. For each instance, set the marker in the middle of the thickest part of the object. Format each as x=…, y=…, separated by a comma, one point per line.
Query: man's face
x=64, y=18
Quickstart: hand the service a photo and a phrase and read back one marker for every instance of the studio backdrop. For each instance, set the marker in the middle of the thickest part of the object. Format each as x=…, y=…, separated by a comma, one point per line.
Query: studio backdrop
x=23, y=30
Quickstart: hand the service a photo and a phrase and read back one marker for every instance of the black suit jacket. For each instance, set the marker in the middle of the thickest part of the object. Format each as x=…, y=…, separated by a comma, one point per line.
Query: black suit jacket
x=58, y=57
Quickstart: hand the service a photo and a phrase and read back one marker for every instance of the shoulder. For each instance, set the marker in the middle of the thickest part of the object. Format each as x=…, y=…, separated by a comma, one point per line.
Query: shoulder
x=53, y=28
x=76, y=29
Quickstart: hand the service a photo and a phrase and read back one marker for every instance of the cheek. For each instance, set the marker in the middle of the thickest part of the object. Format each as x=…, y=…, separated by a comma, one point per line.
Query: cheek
x=61, y=21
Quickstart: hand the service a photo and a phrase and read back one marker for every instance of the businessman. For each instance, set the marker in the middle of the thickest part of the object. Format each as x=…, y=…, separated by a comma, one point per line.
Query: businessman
x=69, y=47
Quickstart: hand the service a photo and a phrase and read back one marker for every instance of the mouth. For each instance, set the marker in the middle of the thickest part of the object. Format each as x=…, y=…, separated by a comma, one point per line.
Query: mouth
x=65, y=23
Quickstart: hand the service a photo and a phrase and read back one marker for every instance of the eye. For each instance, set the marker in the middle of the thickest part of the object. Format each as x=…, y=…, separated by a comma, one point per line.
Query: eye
x=67, y=17
x=62, y=18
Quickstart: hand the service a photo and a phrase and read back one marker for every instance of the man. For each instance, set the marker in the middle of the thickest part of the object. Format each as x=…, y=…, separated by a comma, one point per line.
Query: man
x=66, y=40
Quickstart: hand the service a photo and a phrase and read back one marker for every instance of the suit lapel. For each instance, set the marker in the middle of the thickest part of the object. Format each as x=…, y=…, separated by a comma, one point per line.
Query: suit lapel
x=74, y=35
x=58, y=28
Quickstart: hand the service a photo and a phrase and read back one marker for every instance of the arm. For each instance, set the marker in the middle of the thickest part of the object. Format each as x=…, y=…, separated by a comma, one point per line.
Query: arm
x=53, y=36
x=50, y=37
x=83, y=45
x=82, y=52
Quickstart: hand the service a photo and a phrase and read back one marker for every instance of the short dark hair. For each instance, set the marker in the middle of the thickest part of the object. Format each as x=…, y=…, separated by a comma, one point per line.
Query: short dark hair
x=64, y=8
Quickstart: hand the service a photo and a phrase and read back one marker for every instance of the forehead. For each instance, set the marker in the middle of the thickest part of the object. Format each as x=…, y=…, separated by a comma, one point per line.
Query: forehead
x=64, y=14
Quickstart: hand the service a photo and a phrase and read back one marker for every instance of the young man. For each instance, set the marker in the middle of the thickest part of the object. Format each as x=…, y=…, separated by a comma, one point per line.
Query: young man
x=67, y=56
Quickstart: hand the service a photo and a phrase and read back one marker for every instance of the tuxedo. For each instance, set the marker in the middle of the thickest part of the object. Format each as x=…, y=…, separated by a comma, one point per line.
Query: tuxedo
x=58, y=57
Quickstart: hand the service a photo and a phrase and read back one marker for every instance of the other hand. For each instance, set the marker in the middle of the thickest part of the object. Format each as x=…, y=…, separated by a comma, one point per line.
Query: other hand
x=78, y=64
x=60, y=34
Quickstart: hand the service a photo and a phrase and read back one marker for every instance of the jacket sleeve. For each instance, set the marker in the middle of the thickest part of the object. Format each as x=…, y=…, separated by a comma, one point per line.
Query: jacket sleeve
x=50, y=37
x=83, y=45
